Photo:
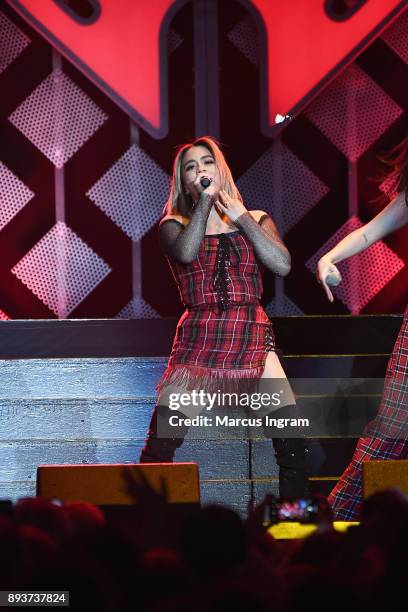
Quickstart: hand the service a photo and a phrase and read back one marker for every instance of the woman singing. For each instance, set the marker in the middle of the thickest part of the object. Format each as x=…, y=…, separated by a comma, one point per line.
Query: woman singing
x=386, y=436
x=216, y=248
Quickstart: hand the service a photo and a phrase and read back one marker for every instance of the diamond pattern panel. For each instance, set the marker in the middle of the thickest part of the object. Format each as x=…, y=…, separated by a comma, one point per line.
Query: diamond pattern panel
x=61, y=270
x=353, y=112
x=58, y=118
x=245, y=37
x=12, y=42
x=137, y=309
x=14, y=195
x=363, y=276
x=396, y=36
x=357, y=114
x=3, y=316
x=279, y=182
x=132, y=192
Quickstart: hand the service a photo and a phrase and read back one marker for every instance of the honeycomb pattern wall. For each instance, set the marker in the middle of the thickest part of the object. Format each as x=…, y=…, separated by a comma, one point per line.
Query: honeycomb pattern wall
x=353, y=112
x=14, y=195
x=364, y=277
x=12, y=41
x=57, y=117
x=61, y=268
x=132, y=192
x=82, y=189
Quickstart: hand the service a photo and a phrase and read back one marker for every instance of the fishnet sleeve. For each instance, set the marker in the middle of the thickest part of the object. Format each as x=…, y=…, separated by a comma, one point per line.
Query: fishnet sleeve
x=268, y=245
x=183, y=242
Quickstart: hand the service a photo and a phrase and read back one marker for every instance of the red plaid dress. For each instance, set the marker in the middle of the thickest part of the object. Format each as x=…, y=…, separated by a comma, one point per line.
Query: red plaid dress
x=386, y=437
x=224, y=334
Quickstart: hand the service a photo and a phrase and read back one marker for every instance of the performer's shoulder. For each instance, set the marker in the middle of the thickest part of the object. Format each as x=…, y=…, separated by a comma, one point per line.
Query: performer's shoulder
x=258, y=214
x=178, y=218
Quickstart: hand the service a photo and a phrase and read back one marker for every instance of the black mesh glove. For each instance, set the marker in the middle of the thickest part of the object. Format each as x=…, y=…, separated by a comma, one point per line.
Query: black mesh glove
x=182, y=243
x=268, y=245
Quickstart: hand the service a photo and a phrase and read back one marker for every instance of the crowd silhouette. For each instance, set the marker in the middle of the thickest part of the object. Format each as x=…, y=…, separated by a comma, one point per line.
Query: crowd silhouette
x=213, y=560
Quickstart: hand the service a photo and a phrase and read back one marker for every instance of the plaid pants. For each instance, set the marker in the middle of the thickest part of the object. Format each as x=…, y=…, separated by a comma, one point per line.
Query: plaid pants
x=386, y=437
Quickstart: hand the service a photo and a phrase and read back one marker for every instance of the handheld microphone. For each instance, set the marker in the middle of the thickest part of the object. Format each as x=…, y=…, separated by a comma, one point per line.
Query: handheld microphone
x=205, y=182
x=333, y=279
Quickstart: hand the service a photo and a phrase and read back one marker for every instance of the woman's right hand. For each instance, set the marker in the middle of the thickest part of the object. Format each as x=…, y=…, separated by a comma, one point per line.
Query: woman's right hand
x=326, y=268
x=212, y=189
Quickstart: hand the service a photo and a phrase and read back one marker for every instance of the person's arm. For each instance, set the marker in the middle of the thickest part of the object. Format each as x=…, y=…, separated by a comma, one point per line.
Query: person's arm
x=267, y=243
x=264, y=236
x=183, y=243
x=391, y=218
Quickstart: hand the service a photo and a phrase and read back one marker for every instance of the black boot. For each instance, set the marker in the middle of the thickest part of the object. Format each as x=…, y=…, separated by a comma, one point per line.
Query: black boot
x=291, y=457
x=158, y=449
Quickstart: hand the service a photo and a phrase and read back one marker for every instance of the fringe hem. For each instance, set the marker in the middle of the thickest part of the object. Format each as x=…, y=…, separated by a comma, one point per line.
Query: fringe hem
x=210, y=380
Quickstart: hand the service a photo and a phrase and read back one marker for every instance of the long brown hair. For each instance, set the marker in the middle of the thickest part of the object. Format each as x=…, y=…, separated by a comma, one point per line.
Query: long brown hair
x=179, y=202
x=397, y=174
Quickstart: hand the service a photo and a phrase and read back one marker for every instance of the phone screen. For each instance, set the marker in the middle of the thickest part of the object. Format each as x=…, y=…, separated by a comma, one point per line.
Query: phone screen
x=296, y=510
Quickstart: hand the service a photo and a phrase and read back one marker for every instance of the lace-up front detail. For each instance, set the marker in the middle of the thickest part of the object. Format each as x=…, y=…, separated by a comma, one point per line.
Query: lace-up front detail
x=222, y=277
x=225, y=273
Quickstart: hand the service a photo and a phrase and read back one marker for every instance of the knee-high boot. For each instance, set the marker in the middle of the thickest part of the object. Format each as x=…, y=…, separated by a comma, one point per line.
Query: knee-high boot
x=158, y=449
x=291, y=457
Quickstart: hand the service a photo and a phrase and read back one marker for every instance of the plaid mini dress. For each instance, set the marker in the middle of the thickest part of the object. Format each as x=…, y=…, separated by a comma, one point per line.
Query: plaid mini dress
x=224, y=335
x=385, y=437
x=392, y=417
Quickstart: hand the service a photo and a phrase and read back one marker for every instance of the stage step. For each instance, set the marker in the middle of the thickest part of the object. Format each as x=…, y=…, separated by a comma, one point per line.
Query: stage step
x=137, y=376
x=95, y=406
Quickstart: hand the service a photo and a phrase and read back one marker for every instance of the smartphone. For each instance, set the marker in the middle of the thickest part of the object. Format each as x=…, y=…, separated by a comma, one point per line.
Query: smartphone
x=293, y=510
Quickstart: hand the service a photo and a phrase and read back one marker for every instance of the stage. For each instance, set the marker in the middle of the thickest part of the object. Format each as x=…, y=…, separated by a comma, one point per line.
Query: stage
x=82, y=392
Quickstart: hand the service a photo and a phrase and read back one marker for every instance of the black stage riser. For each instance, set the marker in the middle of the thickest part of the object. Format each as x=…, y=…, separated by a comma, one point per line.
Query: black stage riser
x=304, y=335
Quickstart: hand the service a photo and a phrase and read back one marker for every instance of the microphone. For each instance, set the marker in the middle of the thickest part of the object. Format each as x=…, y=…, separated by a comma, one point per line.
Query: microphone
x=205, y=182
x=333, y=279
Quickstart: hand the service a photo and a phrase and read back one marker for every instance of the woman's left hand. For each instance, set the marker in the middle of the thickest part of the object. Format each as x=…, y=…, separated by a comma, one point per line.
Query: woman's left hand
x=232, y=207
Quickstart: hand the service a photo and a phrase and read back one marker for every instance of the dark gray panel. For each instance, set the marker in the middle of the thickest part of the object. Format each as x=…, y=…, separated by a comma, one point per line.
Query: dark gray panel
x=76, y=378
x=235, y=495
x=86, y=338
x=17, y=490
x=263, y=459
x=19, y=460
x=137, y=377
x=217, y=459
x=262, y=487
x=73, y=419
x=336, y=366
